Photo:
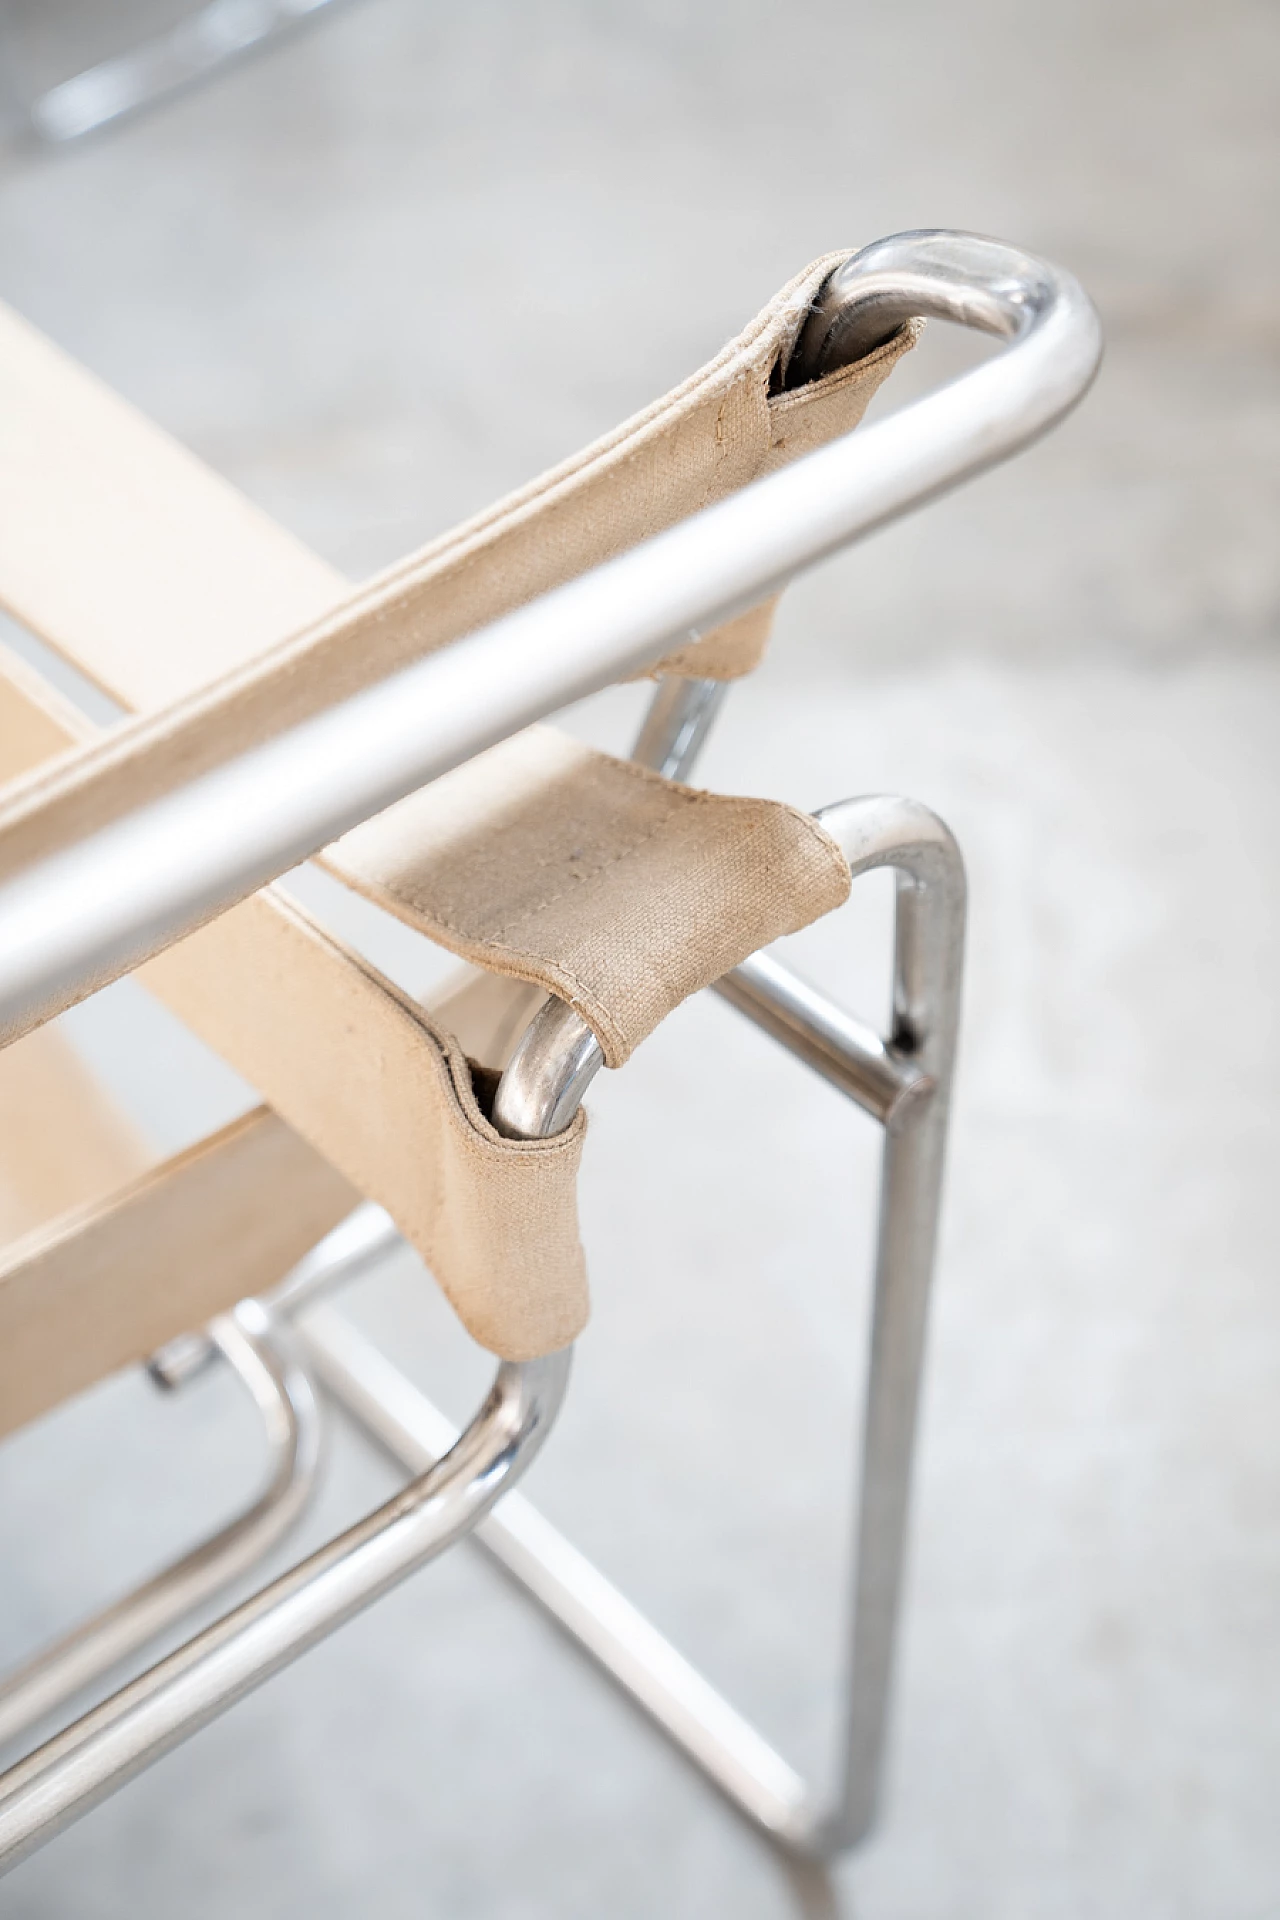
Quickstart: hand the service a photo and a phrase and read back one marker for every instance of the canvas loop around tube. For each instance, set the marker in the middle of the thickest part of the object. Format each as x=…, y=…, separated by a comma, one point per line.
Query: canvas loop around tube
x=542, y=860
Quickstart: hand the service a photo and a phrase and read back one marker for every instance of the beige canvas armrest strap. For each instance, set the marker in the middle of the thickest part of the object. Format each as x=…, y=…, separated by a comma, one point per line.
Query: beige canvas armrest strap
x=719, y=430
x=382, y=1090
x=210, y=584
x=163, y=549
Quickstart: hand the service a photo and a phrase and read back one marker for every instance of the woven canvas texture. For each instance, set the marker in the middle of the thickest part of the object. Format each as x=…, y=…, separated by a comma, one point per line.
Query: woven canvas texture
x=542, y=860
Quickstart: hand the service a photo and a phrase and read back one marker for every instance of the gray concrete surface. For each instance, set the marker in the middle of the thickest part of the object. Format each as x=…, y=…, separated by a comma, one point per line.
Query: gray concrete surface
x=399, y=265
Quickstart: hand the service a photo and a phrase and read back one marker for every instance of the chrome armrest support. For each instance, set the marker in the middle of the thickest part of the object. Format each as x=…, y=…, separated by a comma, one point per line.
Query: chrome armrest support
x=904, y=1082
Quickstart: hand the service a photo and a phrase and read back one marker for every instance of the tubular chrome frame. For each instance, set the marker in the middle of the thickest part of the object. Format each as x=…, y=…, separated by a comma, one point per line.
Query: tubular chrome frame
x=680, y=716
x=92, y=907
x=250, y=1343
x=96, y=905
x=905, y=1083
x=106, y=1747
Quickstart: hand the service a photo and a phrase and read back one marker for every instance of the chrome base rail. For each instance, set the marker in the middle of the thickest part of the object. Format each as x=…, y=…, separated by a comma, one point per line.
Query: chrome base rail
x=108, y=1746
x=250, y=1343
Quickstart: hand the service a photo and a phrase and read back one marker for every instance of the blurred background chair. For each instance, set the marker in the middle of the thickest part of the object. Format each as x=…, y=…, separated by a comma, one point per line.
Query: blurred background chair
x=193, y=46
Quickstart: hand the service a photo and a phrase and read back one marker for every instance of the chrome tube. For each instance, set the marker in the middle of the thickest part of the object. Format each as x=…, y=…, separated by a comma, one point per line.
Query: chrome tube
x=845, y=1051
x=554, y=1062
x=877, y=290
x=908, y=1078
x=569, y=1589
x=679, y=718
x=282, y=1393
x=352, y=1248
x=927, y=973
x=90, y=908
x=73, y=1772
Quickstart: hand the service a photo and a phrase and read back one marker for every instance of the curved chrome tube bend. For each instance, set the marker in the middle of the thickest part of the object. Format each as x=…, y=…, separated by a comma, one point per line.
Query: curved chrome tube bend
x=554, y=1062
x=930, y=274
x=251, y=1344
x=74, y=1771
x=558, y=1055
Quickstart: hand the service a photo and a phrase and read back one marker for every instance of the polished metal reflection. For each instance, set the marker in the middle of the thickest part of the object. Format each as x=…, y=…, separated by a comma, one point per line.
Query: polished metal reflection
x=252, y=1345
x=573, y=1592
x=92, y=907
x=554, y=1062
x=96, y=905
x=905, y=1081
x=930, y=274
x=845, y=1051
x=108, y=1746
x=196, y=47
x=680, y=716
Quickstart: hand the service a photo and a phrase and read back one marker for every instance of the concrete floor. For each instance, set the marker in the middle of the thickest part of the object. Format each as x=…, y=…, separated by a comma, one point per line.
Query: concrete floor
x=390, y=270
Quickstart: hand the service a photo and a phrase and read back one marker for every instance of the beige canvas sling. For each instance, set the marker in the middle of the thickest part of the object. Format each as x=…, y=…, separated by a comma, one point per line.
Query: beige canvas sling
x=219, y=692
x=542, y=859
